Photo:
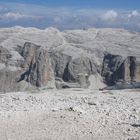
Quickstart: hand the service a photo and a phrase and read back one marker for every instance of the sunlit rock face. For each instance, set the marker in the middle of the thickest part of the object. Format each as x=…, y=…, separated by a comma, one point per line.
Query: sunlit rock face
x=37, y=65
x=137, y=73
x=131, y=69
x=35, y=69
x=32, y=58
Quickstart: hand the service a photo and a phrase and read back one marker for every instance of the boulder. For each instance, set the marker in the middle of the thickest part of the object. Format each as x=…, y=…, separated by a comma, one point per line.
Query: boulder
x=60, y=84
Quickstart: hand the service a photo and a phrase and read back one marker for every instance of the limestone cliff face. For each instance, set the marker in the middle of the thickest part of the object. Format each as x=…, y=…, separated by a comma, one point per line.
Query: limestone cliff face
x=37, y=65
x=112, y=69
x=31, y=58
x=35, y=68
x=137, y=73
x=73, y=70
x=8, y=73
x=131, y=69
x=116, y=69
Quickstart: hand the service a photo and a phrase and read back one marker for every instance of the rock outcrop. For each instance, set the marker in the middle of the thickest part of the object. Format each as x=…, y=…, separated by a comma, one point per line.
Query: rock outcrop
x=112, y=69
x=137, y=72
x=118, y=71
x=31, y=58
x=73, y=69
x=36, y=63
x=131, y=69
x=8, y=73
x=35, y=69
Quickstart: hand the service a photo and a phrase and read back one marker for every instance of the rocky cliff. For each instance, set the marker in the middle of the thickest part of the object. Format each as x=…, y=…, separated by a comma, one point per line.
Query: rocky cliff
x=33, y=70
x=92, y=58
x=116, y=69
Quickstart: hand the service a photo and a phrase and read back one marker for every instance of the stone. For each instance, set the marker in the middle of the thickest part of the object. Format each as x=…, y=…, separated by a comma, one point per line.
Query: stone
x=111, y=70
x=60, y=84
x=137, y=72
x=4, y=55
x=131, y=69
x=37, y=64
x=92, y=58
x=116, y=69
x=73, y=70
x=34, y=70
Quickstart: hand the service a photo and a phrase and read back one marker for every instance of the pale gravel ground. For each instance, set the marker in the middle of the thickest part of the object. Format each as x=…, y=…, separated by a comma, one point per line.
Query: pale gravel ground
x=72, y=114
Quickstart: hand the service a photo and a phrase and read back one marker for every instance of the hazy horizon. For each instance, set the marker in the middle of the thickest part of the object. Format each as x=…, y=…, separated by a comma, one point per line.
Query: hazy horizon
x=70, y=14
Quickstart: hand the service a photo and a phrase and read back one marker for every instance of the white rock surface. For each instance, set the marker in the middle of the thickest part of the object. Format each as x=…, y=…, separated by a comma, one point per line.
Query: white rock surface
x=115, y=41
x=96, y=82
x=72, y=44
x=72, y=114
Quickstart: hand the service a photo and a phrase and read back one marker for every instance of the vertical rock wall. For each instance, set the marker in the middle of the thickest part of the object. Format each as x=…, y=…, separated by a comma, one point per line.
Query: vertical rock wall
x=137, y=74
x=115, y=69
x=37, y=65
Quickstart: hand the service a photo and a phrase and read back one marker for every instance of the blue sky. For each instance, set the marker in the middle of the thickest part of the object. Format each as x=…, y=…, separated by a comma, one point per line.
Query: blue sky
x=120, y=4
x=71, y=14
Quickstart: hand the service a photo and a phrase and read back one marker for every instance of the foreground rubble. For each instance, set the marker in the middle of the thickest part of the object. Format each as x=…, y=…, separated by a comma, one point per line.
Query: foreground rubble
x=71, y=114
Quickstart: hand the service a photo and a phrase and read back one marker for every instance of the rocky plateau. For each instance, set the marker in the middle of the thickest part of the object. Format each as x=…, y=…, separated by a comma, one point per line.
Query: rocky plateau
x=31, y=58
